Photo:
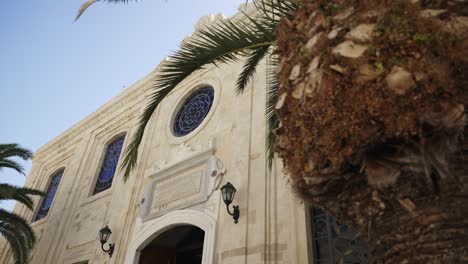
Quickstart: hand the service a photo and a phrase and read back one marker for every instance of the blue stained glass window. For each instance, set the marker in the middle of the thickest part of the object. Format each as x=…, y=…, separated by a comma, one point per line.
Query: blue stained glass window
x=109, y=165
x=193, y=111
x=335, y=243
x=49, y=198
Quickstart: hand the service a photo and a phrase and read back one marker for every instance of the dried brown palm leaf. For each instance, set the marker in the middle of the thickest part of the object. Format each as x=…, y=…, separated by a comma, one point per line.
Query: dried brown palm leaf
x=83, y=8
x=384, y=163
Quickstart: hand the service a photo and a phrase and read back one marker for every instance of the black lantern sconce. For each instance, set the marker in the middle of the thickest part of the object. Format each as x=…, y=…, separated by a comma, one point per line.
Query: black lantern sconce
x=228, y=191
x=104, y=235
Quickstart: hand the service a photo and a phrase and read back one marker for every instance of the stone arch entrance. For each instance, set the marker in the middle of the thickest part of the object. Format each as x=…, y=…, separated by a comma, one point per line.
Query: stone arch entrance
x=179, y=245
x=148, y=231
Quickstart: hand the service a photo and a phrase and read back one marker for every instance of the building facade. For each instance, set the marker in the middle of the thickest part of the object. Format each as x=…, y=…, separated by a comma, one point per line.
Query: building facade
x=170, y=209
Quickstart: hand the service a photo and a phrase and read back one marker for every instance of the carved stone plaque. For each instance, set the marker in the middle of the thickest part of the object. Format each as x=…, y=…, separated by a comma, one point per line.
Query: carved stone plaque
x=180, y=185
x=178, y=190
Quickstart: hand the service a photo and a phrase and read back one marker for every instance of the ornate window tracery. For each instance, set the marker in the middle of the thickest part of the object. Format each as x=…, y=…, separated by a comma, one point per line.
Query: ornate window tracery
x=334, y=242
x=193, y=111
x=49, y=197
x=109, y=165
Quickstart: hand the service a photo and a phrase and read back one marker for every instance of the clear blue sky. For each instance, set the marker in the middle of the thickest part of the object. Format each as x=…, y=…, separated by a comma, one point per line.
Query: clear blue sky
x=54, y=72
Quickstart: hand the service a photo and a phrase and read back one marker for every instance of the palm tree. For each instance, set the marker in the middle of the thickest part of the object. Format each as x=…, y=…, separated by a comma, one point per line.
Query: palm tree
x=366, y=110
x=14, y=228
x=374, y=90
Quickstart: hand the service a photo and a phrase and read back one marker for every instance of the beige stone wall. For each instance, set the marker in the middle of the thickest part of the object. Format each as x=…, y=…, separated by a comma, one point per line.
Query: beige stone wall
x=272, y=224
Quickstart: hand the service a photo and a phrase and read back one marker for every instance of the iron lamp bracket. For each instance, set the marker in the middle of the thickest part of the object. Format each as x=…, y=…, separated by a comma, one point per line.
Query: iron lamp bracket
x=234, y=214
x=110, y=250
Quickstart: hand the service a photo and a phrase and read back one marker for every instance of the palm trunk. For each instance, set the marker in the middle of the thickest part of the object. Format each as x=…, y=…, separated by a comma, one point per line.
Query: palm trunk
x=372, y=111
x=423, y=227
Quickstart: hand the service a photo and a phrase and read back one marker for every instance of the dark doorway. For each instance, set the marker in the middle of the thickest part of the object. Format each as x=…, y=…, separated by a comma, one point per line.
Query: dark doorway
x=178, y=245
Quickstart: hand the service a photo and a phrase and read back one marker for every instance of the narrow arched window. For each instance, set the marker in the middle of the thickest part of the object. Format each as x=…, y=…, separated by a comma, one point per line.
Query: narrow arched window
x=49, y=197
x=109, y=165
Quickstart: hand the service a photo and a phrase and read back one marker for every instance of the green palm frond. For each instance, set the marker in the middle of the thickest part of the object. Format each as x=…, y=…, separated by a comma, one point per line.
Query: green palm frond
x=276, y=9
x=226, y=41
x=21, y=225
x=250, y=65
x=88, y=3
x=8, y=151
x=14, y=150
x=20, y=194
x=16, y=242
x=13, y=227
x=11, y=164
x=271, y=116
x=223, y=42
x=18, y=233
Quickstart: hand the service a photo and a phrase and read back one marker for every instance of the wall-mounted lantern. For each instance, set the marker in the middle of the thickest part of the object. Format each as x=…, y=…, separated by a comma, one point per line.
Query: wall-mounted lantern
x=104, y=235
x=228, y=192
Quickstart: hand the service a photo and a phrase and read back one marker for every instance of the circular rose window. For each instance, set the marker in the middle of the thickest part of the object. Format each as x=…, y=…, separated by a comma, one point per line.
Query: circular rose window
x=193, y=111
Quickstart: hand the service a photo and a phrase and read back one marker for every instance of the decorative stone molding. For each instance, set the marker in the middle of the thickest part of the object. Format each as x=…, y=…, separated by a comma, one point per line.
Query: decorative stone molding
x=148, y=231
x=183, y=184
x=182, y=153
x=101, y=136
x=245, y=8
x=208, y=20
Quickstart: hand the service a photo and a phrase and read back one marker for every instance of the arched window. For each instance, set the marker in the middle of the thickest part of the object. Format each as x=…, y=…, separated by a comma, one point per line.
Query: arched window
x=49, y=197
x=109, y=165
x=334, y=242
x=193, y=111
